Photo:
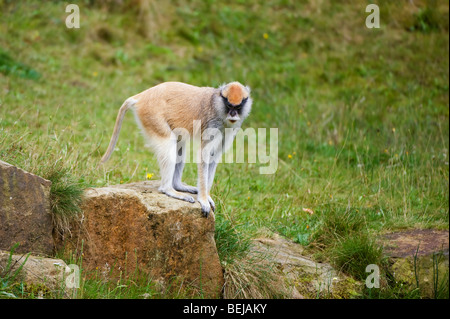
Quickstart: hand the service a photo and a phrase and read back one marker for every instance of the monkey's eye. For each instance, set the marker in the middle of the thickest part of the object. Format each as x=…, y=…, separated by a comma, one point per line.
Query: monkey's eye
x=231, y=106
x=243, y=102
x=225, y=101
x=237, y=107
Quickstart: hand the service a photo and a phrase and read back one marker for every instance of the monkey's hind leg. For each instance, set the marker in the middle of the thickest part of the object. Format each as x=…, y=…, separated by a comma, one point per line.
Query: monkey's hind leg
x=166, y=155
x=179, y=166
x=178, y=184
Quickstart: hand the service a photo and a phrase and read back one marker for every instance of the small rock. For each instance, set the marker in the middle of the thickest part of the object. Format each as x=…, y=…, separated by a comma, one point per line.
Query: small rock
x=303, y=277
x=43, y=276
x=419, y=256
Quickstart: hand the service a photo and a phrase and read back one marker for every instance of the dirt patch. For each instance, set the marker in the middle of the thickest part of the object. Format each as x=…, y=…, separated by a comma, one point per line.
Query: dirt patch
x=422, y=242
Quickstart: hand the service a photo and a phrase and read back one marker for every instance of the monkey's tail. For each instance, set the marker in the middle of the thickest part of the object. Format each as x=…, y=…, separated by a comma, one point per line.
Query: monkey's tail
x=129, y=103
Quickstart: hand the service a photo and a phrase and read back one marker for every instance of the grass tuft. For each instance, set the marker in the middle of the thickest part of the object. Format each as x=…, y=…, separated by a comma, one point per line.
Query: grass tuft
x=65, y=197
x=247, y=273
x=9, y=66
x=354, y=253
x=252, y=277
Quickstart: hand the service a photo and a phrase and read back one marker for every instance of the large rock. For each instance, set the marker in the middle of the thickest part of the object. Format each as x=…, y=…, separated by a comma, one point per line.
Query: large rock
x=25, y=215
x=42, y=277
x=304, y=278
x=133, y=225
x=419, y=257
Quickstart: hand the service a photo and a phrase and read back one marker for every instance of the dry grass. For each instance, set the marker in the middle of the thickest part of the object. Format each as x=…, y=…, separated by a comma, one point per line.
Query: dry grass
x=253, y=277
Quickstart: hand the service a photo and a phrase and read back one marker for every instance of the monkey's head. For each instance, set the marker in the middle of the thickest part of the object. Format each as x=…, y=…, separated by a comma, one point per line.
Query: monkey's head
x=236, y=102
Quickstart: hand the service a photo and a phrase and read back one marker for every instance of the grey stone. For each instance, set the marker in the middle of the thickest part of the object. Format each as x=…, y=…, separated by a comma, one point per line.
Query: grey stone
x=419, y=257
x=25, y=215
x=304, y=278
x=44, y=277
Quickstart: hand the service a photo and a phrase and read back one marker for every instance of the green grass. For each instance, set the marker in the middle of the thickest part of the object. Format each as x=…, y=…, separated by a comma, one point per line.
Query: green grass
x=9, y=66
x=353, y=254
x=362, y=114
x=9, y=288
x=65, y=197
x=134, y=284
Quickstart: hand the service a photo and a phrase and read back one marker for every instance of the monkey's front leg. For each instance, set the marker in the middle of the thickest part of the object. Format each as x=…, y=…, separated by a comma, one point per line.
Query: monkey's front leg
x=202, y=187
x=211, y=172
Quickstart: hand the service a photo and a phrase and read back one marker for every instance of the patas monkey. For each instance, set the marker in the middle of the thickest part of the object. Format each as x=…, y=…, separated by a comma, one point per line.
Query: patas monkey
x=164, y=108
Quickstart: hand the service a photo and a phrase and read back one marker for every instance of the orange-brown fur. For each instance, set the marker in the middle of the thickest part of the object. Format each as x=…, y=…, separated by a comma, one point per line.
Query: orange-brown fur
x=171, y=105
x=235, y=94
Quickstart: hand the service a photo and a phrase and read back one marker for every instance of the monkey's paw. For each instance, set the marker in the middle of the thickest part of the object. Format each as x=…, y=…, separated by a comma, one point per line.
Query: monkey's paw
x=186, y=188
x=174, y=194
x=206, y=208
x=211, y=202
x=189, y=199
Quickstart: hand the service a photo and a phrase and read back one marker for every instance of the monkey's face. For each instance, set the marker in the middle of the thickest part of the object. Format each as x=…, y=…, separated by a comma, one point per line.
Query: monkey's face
x=236, y=101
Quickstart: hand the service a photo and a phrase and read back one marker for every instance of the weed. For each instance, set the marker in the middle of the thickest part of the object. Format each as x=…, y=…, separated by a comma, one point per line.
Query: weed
x=9, y=285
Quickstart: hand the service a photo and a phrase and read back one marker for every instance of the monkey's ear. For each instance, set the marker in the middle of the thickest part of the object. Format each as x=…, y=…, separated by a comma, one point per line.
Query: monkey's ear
x=248, y=88
x=222, y=87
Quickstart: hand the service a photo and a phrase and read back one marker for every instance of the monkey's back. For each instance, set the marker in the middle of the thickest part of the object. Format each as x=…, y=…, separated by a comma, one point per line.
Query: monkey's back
x=175, y=103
